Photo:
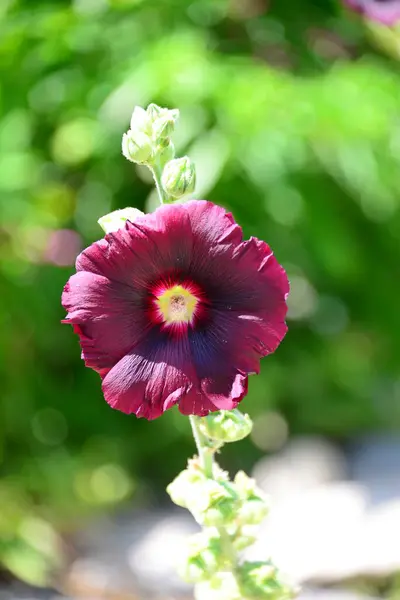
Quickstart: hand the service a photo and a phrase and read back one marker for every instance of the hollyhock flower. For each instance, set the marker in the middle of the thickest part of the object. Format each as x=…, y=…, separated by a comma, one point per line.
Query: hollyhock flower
x=384, y=11
x=175, y=308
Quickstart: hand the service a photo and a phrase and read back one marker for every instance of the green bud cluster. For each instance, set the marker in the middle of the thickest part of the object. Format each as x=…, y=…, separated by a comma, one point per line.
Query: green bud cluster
x=228, y=512
x=226, y=426
x=218, y=502
x=148, y=142
x=222, y=586
x=203, y=557
x=262, y=580
x=149, y=134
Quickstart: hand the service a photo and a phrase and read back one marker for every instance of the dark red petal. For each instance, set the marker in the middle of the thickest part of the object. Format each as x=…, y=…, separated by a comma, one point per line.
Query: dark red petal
x=160, y=374
x=152, y=378
x=221, y=393
x=234, y=342
x=106, y=317
x=247, y=320
x=253, y=281
x=225, y=392
x=212, y=225
x=156, y=244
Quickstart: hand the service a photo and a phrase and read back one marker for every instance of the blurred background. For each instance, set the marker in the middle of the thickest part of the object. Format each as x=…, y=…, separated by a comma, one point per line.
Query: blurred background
x=290, y=110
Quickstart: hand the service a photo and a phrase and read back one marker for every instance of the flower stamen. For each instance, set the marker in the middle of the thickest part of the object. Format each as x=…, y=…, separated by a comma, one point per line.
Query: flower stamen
x=176, y=304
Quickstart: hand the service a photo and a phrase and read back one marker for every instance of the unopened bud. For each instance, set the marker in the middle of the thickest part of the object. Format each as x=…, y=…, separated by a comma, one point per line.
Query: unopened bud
x=260, y=580
x=183, y=490
x=163, y=127
x=245, y=485
x=210, y=502
x=154, y=111
x=222, y=507
x=140, y=121
x=243, y=541
x=179, y=177
x=202, y=557
x=116, y=220
x=220, y=474
x=222, y=586
x=136, y=146
x=226, y=426
x=218, y=515
x=252, y=512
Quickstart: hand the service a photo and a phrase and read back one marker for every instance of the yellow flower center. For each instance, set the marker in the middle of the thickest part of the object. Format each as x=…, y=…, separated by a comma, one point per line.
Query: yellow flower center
x=177, y=305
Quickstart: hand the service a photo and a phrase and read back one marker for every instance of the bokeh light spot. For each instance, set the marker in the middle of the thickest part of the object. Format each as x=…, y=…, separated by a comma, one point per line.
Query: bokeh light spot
x=63, y=246
x=75, y=142
x=270, y=431
x=285, y=204
x=49, y=426
x=110, y=483
x=302, y=300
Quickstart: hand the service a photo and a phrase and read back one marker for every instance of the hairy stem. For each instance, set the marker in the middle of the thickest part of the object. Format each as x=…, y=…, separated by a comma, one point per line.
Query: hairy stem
x=203, y=448
x=157, y=172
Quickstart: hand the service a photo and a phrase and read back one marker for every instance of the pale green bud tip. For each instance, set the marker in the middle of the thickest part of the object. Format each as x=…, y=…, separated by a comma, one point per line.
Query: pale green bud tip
x=226, y=426
x=243, y=541
x=140, y=121
x=183, y=489
x=258, y=579
x=222, y=586
x=202, y=557
x=116, y=220
x=179, y=177
x=155, y=112
x=253, y=511
x=136, y=146
x=210, y=502
x=245, y=485
x=163, y=127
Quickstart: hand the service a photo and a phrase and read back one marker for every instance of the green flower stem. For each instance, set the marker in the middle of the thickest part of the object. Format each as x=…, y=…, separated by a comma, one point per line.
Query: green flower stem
x=157, y=173
x=204, y=450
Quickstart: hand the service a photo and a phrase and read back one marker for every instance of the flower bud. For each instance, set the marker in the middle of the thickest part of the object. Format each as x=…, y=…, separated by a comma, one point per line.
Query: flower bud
x=222, y=586
x=245, y=485
x=116, y=220
x=252, y=512
x=184, y=488
x=210, y=496
x=202, y=557
x=140, y=121
x=226, y=426
x=179, y=177
x=260, y=580
x=154, y=111
x=220, y=474
x=243, y=541
x=222, y=506
x=136, y=146
x=221, y=513
x=210, y=502
x=163, y=127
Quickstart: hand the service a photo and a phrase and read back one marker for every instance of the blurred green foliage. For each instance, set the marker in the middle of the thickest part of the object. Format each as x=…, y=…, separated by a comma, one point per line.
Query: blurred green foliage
x=292, y=118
